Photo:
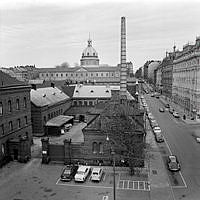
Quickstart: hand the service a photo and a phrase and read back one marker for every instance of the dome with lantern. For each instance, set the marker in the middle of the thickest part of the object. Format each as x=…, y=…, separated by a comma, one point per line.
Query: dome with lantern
x=89, y=56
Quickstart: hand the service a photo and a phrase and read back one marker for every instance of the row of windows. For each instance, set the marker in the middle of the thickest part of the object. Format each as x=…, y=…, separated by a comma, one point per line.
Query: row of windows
x=10, y=123
x=10, y=105
x=85, y=74
x=83, y=103
x=97, y=147
x=53, y=114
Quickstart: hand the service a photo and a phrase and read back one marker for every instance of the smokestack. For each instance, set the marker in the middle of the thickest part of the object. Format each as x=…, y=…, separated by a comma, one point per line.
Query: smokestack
x=123, y=69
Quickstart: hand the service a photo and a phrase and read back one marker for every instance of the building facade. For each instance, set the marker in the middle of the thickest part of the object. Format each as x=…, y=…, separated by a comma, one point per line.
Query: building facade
x=159, y=78
x=89, y=69
x=15, y=120
x=167, y=69
x=186, y=79
x=47, y=103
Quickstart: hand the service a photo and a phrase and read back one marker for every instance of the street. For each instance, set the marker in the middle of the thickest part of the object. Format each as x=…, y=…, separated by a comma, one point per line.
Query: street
x=181, y=142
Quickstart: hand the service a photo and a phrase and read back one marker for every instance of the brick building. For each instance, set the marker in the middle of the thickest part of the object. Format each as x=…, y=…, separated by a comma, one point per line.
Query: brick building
x=15, y=120
x=46, y=103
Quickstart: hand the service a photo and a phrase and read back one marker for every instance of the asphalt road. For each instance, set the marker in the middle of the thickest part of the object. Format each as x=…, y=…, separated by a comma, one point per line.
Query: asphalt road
x=181, y=142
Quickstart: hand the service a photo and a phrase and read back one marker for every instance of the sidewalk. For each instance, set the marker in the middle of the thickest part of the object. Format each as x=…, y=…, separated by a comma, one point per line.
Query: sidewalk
x=159, y=181
x=179, y=110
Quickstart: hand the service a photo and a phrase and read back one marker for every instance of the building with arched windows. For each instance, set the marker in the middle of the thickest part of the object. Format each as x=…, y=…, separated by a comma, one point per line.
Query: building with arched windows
x=90, y=69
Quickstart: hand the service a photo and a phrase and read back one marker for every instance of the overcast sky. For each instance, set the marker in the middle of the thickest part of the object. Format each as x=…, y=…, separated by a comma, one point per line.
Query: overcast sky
x=55, y=31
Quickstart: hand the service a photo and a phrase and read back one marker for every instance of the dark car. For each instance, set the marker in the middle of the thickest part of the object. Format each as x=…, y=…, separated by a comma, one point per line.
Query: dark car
x=68, y=172
x=167, y=105
x=171, y=110
x=176, y=115
x=159, y=137
x=173, y=163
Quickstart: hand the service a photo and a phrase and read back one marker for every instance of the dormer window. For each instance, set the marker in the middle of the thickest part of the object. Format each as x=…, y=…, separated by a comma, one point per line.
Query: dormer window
x=91, y=91
x=93, y=54
x=44, y=95
x=107, y=91
x=77, y=91
x=53, y=93
x=88, y=53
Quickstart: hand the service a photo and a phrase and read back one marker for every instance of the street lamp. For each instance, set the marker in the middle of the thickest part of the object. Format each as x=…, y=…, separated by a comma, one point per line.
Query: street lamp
x=113, y=157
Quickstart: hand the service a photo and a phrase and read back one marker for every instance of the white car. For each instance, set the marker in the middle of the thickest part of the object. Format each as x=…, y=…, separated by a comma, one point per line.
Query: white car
x=82, y=173
x=198, y=139
x=156, y=130
x=97, y=174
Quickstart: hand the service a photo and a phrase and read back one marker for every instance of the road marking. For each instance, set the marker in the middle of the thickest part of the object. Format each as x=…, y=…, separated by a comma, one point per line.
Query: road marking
x=183, y=179
x=57, y=181
x=168, y=146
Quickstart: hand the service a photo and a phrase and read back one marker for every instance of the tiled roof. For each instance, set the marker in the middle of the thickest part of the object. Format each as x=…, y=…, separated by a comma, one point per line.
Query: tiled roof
x=59, y=120
x=92, y=91
x=7, y=80
x=47, y=96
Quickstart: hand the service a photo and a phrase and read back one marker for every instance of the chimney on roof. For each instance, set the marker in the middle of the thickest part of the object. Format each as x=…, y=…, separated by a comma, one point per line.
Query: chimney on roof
x=123, y=69
x=52, y=85
x=34, y=86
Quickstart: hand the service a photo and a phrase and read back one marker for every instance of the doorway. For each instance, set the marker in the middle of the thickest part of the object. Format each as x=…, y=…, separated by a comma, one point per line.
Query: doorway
x=15, y=151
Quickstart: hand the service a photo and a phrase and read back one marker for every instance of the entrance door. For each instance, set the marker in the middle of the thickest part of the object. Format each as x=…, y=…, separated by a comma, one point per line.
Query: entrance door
x=15, y=151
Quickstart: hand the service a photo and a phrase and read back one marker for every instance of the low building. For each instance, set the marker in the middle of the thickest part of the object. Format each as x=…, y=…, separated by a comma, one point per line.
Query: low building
x=47, y=103
x=15, y=120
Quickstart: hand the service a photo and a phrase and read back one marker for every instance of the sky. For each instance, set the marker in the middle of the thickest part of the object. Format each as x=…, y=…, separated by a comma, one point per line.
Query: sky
x=49, y=32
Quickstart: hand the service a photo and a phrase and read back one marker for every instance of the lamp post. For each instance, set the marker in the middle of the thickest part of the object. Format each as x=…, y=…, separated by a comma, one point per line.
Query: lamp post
x=113, y=157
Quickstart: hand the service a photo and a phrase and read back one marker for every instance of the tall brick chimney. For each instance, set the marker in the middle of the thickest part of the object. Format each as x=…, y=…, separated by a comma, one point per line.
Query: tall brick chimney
x=123, y=68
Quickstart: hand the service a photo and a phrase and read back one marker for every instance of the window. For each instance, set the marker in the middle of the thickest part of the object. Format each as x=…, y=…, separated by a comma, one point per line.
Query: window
x=26, y=120
x=96, y=74
x=86, y=74
x=9, y=106
x=18, y=123
x=48, y=116
x=65, y=74
x=1, y=108
x=88, y=54
x=61, y=75
x=101, y=74
x=94, y=147
x=76, y=74
x=81, y=74
x=100, y=147
x=42, y=74
x=71, y=74
x=91, y=74
x=57, y=75
x=45, y=120
x=106, y=74
x=17, y=104
x=46, y=74
x=51, y=74
x=2, y=129
x=25, y=102
x=10, y=126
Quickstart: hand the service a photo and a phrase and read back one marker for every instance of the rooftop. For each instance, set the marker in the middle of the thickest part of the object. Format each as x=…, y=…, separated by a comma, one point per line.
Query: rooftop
x=47, y=96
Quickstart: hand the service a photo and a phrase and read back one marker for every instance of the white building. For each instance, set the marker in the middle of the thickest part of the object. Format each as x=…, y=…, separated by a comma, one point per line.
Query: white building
x=186, y=79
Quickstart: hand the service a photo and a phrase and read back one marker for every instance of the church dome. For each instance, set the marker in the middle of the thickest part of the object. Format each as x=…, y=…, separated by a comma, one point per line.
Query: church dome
x=89, y=50
x=89, y=55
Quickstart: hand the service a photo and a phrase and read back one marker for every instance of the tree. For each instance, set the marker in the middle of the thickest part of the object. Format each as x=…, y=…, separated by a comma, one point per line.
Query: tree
x=63, y=65
x=119, y=122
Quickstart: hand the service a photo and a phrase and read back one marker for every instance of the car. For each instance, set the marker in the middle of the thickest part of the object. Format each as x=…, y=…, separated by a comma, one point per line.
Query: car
x=67, y=127
x=167, y=105
x=173, y=163
x=156, y=130
x=68, y=172
x=153, y=123
x=157, y=97
x=161, y=109
x=159, y=137
x=176, y=115
x=171, y=110
x=97, y=174
x=198, y=139
x=82, y=173
x=152, y=95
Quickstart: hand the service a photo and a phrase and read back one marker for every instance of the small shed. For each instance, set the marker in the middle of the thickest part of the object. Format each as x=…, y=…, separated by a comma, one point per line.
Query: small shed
x=56, y=125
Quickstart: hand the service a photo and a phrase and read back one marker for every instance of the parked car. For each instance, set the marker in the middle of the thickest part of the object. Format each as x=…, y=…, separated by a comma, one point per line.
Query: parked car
x=68, y=127
x=171, y=110
x=198, y=139
x=173, y=163
x=161, y=109
x=152, y=95
x=175, y=114
x=159, y=137
x=82, y=173
x=167, y=105
x=153, y=123
x=156, y=130
x=68, y=172
x=97, y=174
